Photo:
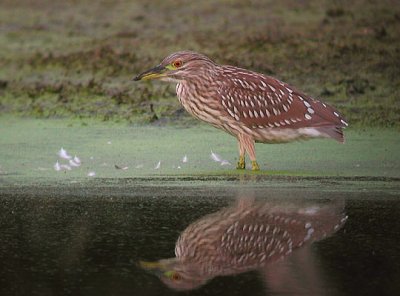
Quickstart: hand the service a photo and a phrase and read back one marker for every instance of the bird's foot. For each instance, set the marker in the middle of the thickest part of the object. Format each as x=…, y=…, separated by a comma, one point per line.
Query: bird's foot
x=241, y=165
x=254, y=166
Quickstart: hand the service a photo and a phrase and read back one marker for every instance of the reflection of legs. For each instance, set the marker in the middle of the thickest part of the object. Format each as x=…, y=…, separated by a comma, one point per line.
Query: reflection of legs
x=248, y=143
x=241, y=163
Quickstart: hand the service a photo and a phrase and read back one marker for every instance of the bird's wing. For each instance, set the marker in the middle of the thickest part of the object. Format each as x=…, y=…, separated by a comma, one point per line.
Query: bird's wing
x=260, y=101
x=255, y=240
x=259, y=238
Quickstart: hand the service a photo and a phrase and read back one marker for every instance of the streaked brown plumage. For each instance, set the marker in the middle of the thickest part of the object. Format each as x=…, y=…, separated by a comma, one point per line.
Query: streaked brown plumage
x=247, y=236
x=250, y=106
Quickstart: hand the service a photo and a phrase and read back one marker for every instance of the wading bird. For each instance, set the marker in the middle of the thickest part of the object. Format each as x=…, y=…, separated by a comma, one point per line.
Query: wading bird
x=250, y=106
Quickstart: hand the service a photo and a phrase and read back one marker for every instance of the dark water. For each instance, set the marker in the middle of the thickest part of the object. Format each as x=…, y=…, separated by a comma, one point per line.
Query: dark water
x=83, y=243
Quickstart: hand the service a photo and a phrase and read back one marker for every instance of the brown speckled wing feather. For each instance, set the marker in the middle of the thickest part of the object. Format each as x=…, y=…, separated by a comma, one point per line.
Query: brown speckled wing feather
x=261, y=101
x=260, y=237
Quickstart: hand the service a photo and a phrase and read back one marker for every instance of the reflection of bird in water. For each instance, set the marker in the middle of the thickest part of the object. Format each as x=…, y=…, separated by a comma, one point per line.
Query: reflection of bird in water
x=244, y=237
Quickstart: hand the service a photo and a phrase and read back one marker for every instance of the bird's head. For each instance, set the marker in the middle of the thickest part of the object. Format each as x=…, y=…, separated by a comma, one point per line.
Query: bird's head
x=179, y=66
x=175, y=274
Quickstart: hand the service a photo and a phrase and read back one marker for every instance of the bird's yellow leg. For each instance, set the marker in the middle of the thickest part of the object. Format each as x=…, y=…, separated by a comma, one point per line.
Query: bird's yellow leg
x=246, y=143
x=241, y=165
x=254, y=166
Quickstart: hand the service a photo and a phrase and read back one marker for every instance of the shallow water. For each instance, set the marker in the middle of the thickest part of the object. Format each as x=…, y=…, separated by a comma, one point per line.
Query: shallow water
x=80, y=241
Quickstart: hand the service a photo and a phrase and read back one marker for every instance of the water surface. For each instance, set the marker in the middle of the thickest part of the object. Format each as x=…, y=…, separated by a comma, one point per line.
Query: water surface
x=60, y=241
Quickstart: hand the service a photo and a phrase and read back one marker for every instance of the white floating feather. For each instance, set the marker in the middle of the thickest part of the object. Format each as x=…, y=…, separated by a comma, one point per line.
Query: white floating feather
x=72, y=163
x=57, y=166
x=157, y=167
x=185, y=159
x=225, y=162
x=139, y=166
x=91, y=174
x=109, y=142
x=77, y=160
x=65, y=167
x=121, y=168
x=41, y=169
x=63, y=154
x=215, y=157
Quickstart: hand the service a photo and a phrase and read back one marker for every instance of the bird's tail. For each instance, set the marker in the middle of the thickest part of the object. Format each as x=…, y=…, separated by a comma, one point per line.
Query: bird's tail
x=334, y=132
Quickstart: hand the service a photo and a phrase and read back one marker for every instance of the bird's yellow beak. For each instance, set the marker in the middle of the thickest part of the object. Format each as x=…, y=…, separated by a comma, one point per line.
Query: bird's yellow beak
x=153, y=73
x=155, y=268
x=150, y=265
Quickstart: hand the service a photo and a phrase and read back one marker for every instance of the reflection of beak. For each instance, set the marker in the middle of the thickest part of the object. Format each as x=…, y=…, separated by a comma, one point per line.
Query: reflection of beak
x=155, y=268
x=153, y=73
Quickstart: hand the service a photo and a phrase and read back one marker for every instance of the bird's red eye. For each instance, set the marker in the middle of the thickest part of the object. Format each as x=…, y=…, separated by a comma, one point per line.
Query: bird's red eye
x=177, y=64
x=176, y=276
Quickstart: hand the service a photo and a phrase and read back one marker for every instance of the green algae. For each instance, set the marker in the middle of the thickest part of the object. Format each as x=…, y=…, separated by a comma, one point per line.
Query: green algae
x=29, y=147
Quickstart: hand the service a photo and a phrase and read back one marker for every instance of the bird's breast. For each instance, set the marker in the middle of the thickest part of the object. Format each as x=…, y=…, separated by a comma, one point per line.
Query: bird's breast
x=199, y=102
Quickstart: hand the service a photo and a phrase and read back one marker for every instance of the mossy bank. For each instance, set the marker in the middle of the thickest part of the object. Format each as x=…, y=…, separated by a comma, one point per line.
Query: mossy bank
x=62, y=59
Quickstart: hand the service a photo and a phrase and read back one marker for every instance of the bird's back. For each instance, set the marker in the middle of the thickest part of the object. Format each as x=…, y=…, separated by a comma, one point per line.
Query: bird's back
x=263, y=103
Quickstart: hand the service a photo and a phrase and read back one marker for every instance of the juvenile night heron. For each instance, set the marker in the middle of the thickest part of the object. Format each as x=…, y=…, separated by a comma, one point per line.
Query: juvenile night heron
x=247, y=236
x=250, y=106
